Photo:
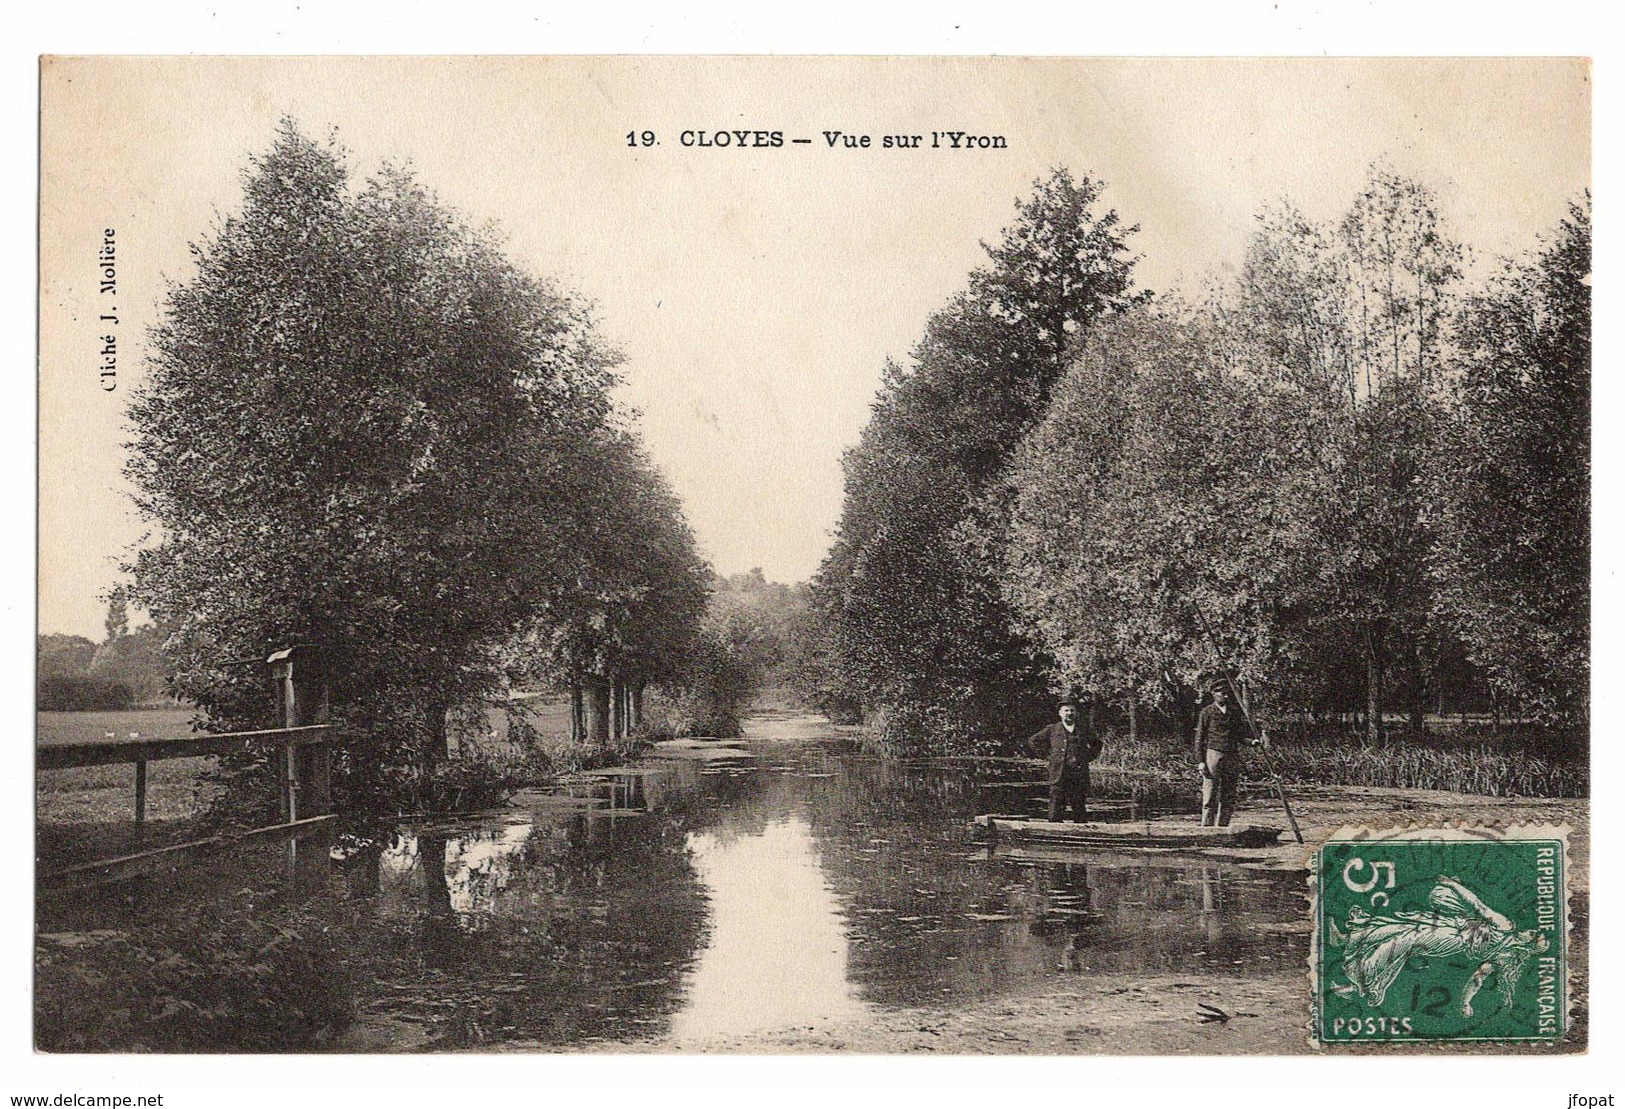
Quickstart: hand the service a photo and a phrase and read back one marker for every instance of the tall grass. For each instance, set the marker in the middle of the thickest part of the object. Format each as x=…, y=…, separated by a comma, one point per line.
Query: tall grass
x=1482, y=768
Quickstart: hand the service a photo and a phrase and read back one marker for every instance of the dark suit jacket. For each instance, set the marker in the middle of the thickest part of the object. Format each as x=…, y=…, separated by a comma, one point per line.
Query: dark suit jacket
x=1053, y=742
x=1220, y=731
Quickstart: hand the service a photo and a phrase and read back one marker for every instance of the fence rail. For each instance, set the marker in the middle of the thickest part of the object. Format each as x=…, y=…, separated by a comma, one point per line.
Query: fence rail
x=302, y=749
x=105, y=752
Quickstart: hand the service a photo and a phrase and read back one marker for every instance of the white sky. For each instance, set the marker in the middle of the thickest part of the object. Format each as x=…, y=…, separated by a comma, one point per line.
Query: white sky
x=756, y=293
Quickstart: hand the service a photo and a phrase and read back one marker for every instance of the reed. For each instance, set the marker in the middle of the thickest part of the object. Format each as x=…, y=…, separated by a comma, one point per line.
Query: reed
x=1481, y=768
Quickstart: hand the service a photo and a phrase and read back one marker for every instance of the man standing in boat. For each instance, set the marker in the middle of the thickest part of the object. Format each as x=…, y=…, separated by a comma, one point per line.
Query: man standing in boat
x=1070, y=747
x=1221, y=733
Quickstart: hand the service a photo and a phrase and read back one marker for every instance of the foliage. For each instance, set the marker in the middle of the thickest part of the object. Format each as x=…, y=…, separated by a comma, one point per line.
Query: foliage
x=1241, y=483
x=64, y=655
x=126, y=668
x=629, y=587
x=365, y=429
x=1133, y=527
x=747, y=642
x=134, y=658
x=1347, y=326
x=710, y=696
x=1327, y=759
x=240, y=979
x=81, y=693
x=1511, y=485
x=915, y=616
x=761, y=621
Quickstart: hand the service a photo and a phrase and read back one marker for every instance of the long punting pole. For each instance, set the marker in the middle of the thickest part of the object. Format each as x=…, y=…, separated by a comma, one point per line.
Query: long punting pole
x=1235, y=694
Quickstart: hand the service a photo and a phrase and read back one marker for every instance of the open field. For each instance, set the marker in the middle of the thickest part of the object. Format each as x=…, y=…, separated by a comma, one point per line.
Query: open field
x=73, y=727
x=89, y=812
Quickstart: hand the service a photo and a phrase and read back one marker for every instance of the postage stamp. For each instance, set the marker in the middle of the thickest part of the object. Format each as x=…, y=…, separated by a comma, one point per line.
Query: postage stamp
x=1441, y=934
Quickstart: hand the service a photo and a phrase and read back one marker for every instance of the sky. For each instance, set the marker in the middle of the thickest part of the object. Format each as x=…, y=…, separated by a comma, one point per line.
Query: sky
x=756, y=293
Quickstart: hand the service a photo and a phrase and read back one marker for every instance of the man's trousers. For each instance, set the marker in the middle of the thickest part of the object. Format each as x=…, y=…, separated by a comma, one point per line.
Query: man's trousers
x=1219, y=787
x=1071, y=791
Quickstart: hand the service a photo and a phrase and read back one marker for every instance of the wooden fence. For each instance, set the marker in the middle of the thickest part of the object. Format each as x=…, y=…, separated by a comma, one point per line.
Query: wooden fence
x=302, y=752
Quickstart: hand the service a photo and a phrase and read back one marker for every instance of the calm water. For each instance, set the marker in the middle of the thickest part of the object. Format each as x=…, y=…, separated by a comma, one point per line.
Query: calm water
x=776, y=881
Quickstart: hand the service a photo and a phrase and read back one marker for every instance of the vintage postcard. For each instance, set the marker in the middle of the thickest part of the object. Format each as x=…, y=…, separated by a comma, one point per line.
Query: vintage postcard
x=759, y=555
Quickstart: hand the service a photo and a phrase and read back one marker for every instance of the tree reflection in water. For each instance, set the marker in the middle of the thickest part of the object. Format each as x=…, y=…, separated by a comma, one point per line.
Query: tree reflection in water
x=774, y=885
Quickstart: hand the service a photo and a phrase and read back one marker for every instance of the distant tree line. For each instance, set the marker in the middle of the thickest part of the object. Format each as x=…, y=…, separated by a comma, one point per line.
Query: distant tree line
x=366, y=430
x=749, y=643
x=1367, y=479
x=127, y=668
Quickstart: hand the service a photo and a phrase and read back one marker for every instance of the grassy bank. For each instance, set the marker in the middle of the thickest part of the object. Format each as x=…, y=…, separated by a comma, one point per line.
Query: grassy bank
x=83, y=727
x=1467, y=765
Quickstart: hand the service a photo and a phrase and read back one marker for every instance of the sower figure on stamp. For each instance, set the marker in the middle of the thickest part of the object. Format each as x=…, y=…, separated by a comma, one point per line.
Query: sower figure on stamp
x=1221, y=733
x=1070, y=747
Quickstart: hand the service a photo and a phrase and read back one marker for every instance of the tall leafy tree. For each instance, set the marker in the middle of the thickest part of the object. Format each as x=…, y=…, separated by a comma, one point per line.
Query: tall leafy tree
x=1347, y=326
x=1136, y=557
x=628, y=588
x=920, y=630
x=348, y=438
x=1511, y=483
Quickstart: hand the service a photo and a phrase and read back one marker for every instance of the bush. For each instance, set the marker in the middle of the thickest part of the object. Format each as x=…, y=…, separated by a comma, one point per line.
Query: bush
x=81, y=693
x=710, y=696
x=241, y=980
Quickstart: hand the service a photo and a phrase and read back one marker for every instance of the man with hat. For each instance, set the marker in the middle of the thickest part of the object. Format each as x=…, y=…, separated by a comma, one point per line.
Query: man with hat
x=1070, y=748
x=1221, y=733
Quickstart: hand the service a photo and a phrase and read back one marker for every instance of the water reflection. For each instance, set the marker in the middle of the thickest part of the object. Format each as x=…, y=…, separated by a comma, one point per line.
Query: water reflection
x=776, y=948
x=760, y=886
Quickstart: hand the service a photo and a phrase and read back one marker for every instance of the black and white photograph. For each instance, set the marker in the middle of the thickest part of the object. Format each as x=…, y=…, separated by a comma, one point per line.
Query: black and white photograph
x=835, y=556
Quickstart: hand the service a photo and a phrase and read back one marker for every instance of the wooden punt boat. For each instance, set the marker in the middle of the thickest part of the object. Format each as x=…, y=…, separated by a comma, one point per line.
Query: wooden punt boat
x=1166, y=834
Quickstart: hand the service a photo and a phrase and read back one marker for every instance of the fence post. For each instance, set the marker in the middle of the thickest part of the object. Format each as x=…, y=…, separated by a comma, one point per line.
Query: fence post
x=140, y=801
x=305, y=772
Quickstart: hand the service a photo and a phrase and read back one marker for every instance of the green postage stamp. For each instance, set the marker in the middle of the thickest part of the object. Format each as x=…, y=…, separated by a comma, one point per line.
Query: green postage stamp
x=1446, y=935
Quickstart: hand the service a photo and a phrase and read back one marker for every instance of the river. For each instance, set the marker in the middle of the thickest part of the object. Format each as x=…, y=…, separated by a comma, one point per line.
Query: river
x=780, y=881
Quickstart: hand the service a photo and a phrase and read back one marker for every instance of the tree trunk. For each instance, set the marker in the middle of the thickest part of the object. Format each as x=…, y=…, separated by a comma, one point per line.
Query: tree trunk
x=637, y=704
x=597, y=712
x=436, y=890
x=1133, y=719
x=578, y=716
x=1185, y=701
x=435, y=744
x=1373, y=686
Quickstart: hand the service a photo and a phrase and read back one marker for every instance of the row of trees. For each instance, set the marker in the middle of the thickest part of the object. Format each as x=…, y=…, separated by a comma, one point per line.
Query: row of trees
x=1368, y=480
x=365, y=429
x=911, y=615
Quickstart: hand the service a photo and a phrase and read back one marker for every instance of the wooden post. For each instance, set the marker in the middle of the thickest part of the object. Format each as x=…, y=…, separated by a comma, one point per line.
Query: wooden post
x=140, y=800
x=306, y=772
